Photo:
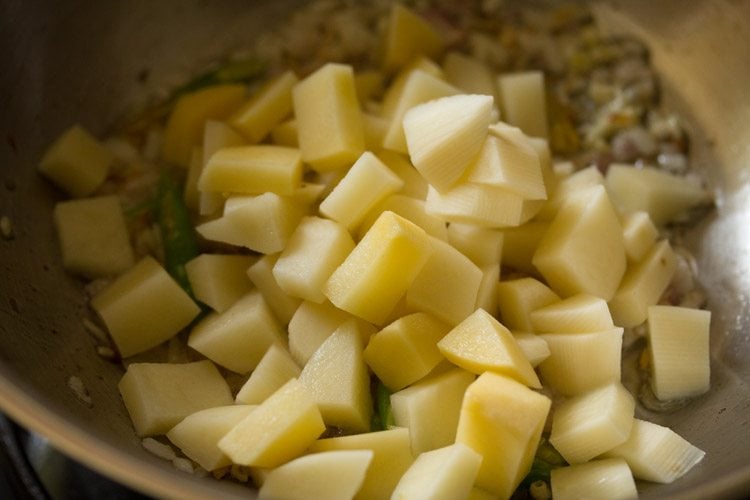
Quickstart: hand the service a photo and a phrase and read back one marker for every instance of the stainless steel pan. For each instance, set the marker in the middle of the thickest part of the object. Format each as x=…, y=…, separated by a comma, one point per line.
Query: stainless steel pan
x=75, y=61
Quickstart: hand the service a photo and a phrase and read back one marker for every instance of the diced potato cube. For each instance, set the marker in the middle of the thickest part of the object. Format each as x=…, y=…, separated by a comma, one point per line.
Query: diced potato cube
x=392, y=457
x=517, y=298
x=608, y=478
x=329, y=121
x=444, y=135
x=443, y=474
x=144, y=307
x=395, y=90
x=281, y=303
x=408, y=35
x=159, y=395
x=679, y=349
x=577, y=314
x=480, y=343
x=198, y=434
x=411, y=209
x=76, y=162
x=481, y=205
x=482, y=245
x=643, y=284
x=367, y=183
x=580, y=362
x=564, y=189
x=238, y=338
x=316, y=248
x=447, y=285
x=218, y=135
x=657, y=453
x=337, y=379
x=262, y=223
x=278, y=430
x=415, y=186
x=469, y=74
x=487, y=293
x=275, y=369
x=188, y=118
x=523, y=101
x=583, y=250
x=406, y=350
x=94, y=240
x=664, y=196
x=253, y=170
x=639, y=235
x=285, y=134
x=520, y=244
x=497, y=409
x=266, y=108
x=190, y=194
x=333, y=475
x=588, y=425
x=310, y=325
x=533, y=347
x=375, y=127
x=219, y=280
x=380, y=269
x=430, y=408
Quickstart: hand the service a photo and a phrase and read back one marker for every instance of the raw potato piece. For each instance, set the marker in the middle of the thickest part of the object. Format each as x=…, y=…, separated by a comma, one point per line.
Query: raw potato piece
x=523, y=101
x=444, y=474
x=679, y=349
x=567, y=187
x=430, y=409
x=94, y=240
x=469, y=74
x=583, y=249
x=657, y=453
x=487, y=293
x=639, y=234
x=238, y=338
x=533, y=347
x=285, y=134
x=197, y=434
x=271, y=104
x=315, y=249
x=588, y=425
x=310, y=325
x=159, y=395
x=608, y=478
x=219, y=280
x=411, y=209
x=333, y=475
x=329, y=121
x=480, y=343
x=406, y=350
x=144, y=307
x=367, y=183
x=483, y=246
x=408, y=35
x=577, y=314
x=517, y=298
x=484, y=206
x=76, y=162
x=520, y=244
x=380, y=269
x=390, y=460
x=337, y=379
x=444, y=135
x=218, y=135
x=282, y=304
x=275, y=369
x=415, y=186
x=278, y=430
x=497, y=409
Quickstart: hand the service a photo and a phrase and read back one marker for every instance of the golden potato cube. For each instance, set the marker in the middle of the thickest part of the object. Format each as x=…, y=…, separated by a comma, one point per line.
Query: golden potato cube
x=519, y=245
x=415, y=186
x=380, y=269
x=446, y=473
x=278, y=430
x=266, y=108
x=567, y=187
x=533, y=347
x=480, y=343
x=375, y=127
x=523, y=101
x=76, y=162
x=405, y=350
x=577, y=314
x=281, y=303
x=487, y=293
x=285, y=134
x=275, y=369
x=481, y=205
x=411, y=209
x=639, y=235
x=583, y=249
x=159, y=395
x=482, y=245
x=395, y=91
x=219, y=280
x=188, y=118
x=144, y=307
x=218, y=135
x=517, y=298
x=497, y=409
x=587, y=480
x=94, y=240
x=310, y=325
x=407, y=36
x=329, y=121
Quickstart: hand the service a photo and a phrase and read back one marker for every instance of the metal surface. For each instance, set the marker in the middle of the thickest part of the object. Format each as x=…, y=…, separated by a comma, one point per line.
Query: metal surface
x=68, y=62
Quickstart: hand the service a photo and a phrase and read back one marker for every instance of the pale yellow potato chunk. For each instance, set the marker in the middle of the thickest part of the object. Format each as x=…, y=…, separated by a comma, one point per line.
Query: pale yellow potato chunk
x=94, y=240
x=480, y=343
x=469, y=74
x=430, y=408
x=380, y=269
x=577, y=314
x=266, y=108
x=198, y=434
x=487, y=293
x=333, y=475
x=478, y=204
x=278, y=430
x=285, y=134
x=406, y=350
x=144, y=307
x=443, y=474
x=482, y=245
x=520, y=244
x=275, y=369
x=375, y=127
x=523, y=102
x=281, y=303
x=329, y=121
x=395, y=91
x=409, y=208
x=238, y=338
x=607, y=478
x=415, y=186
x=517, y=298
x=218, y=135
x=337, y=379
x=533, y=347
x=391, y=458
x=497, y=409
x=310, y=325
x=159, y=395
x=407, y=36
x=76, y=162
x=567, y=187
x=639, y=235
x=219, y=280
